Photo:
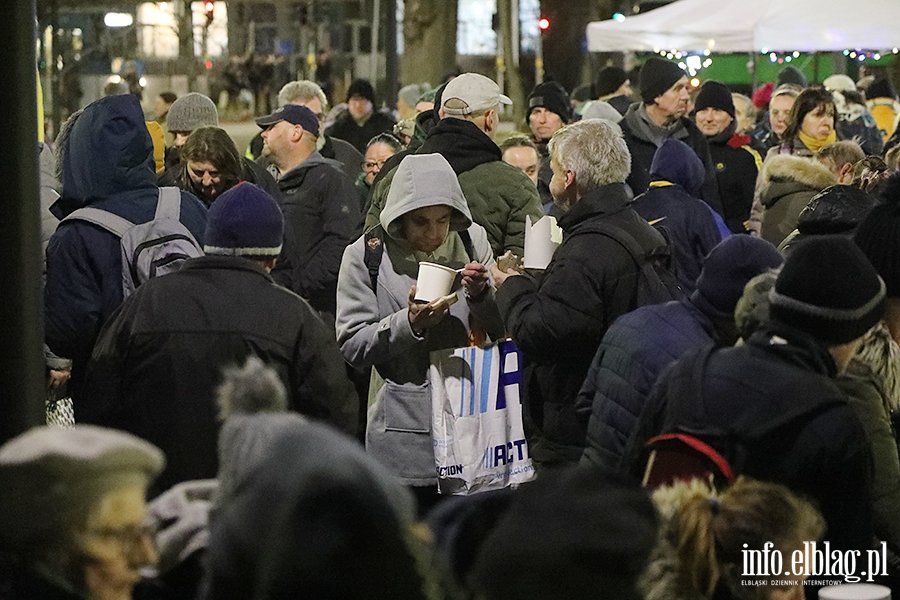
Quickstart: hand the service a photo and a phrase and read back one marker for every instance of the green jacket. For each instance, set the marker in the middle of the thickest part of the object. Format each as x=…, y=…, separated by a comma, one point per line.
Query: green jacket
x=499, y=197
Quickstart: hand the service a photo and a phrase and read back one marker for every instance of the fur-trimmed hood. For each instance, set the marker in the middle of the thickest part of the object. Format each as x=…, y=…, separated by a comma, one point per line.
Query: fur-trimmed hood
x=881, y=354
x=783, y=173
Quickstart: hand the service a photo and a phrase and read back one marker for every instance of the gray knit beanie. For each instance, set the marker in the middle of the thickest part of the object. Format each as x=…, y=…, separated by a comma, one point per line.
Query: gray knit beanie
x=191, y=112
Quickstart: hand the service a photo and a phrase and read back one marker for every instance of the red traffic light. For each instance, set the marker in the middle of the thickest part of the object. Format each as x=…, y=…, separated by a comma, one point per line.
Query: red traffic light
x=543, y=23
x=208, y=6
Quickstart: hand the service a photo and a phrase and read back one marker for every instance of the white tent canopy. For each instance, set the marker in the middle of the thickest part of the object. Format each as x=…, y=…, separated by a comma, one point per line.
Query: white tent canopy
x=752, y=26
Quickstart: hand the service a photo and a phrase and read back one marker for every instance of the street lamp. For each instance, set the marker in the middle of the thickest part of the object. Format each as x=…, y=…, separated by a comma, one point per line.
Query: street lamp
x=543, y=26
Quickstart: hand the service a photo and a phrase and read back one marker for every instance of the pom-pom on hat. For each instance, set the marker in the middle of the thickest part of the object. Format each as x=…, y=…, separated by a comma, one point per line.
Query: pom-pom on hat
x=192, y=111
x=715, y=95
x=657, y=76
x=244, y=221
x=829, y=290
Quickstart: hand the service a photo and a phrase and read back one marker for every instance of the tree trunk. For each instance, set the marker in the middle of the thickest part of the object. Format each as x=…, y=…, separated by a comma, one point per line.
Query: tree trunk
x=429, y=36
x=513, y=77
x=565, y=43
x=187, y=61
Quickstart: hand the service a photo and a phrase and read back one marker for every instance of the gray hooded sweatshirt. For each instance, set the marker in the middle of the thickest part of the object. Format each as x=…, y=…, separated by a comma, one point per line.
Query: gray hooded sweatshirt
x=373, y=328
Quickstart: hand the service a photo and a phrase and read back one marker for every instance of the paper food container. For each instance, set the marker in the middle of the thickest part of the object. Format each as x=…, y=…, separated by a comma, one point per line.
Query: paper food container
x=433, y=281
x=541, y=240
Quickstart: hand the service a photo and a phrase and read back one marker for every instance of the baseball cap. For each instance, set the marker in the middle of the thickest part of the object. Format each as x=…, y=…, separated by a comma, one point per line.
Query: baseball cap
x=294, y=114
x=470, y=93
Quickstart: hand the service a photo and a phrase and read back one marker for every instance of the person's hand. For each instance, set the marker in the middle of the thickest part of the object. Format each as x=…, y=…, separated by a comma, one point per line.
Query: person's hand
x=423, y=316
x=474, y=279
x=501, y=276
x=57, y=378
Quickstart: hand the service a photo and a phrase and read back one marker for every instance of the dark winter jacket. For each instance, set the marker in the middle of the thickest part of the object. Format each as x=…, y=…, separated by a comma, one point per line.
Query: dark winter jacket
x=644, y=137
x=158, y=361
x=499, y=195
x=346, y=128
x=772, y=409
x=634, y=352
x=787, y=184
x=838, y=209
x=559, y=321
x=321, y=216
x=737, y=161
x=107, y=163
x=671, y=203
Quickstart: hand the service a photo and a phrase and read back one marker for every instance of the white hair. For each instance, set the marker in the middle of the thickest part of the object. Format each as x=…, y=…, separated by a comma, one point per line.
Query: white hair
x=594, y=150
x=302, y=90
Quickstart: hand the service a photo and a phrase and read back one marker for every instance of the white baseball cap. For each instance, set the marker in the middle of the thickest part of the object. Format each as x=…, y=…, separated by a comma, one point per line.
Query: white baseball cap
x=475, y=92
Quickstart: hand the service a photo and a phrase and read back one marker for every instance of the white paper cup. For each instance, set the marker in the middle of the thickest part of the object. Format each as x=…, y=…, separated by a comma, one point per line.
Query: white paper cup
x=433, y=281
x=855, y=591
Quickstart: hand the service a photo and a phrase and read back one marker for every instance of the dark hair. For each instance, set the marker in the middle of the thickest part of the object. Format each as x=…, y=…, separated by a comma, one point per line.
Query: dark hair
x=810, y=100
x=169, y=97
x=213, y=145
x=516, y=141
x=388, y=139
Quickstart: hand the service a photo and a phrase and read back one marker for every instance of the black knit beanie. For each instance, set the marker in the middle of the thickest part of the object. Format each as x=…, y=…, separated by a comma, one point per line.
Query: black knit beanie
x=792, y=75
x=881, y=88
x=551, y=96
x=715, y=95
x=657, y=76
x=609, y=79
x=361, y=87
x=878, y=235
x=828, y=289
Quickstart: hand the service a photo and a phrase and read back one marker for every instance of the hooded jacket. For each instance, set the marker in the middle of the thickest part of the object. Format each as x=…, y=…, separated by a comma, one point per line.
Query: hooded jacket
x=158, y=361
x=644, y=137
x=672, y=204
x=321, y=216
x=558, y=322
x=105, y=161
x=373, y=326
x=787, y=184
x=499, y=195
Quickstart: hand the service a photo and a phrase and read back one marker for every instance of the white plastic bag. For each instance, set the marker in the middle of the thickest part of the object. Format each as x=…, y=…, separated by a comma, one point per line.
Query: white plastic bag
x=479, y=441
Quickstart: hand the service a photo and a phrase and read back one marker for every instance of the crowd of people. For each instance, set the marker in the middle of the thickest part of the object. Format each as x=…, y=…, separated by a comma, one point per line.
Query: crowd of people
x=710, y=356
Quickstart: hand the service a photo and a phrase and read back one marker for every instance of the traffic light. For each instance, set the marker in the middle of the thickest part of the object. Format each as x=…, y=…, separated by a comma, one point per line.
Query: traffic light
x=543, y=24
x=208, y=8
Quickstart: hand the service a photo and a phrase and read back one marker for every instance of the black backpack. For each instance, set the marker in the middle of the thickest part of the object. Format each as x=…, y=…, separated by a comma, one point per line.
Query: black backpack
x=657, y=283
x=374, y=251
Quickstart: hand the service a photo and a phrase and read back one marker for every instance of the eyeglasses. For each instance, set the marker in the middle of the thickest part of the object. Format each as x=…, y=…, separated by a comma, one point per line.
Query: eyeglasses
x=130, y=537
x=371, y=165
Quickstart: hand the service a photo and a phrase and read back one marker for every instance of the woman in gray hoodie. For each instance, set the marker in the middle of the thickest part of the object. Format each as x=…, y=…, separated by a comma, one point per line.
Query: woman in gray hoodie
x=425, y=218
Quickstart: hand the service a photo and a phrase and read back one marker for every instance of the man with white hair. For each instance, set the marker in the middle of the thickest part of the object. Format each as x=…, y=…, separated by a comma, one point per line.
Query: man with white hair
x=559, y=320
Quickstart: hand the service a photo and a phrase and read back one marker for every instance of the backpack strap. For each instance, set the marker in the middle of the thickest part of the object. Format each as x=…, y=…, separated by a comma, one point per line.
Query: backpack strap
x=373, y=251
x=467, y=243
x=109, y=221
x=169, y=204
x=638, y=254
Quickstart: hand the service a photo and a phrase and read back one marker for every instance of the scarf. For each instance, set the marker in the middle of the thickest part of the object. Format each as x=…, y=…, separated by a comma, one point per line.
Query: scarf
x=815, y=144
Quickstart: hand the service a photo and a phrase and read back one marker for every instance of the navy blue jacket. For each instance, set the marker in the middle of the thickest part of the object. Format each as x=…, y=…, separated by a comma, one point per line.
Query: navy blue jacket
x=673, y=202
x=107, y=163
x=634, y=351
